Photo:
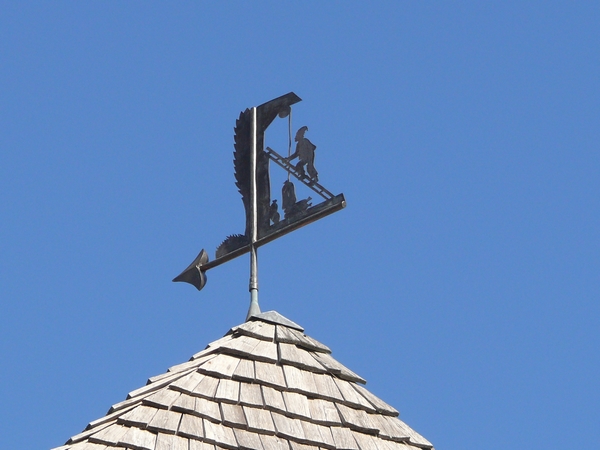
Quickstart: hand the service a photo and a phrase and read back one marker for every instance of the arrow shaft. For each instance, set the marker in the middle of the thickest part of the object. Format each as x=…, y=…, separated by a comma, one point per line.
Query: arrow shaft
x=315, y=213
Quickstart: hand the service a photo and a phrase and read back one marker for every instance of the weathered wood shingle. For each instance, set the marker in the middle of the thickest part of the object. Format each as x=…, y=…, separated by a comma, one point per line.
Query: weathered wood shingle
x=264, y=386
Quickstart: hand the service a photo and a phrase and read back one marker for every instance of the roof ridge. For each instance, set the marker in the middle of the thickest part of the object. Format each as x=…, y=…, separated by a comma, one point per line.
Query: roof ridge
x=275, y=318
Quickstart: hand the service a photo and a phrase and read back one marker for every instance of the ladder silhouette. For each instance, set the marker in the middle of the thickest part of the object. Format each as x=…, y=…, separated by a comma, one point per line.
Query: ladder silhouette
x=302, y=177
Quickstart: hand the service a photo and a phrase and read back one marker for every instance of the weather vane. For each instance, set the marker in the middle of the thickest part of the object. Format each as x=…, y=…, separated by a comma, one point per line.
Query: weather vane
x=263, y=219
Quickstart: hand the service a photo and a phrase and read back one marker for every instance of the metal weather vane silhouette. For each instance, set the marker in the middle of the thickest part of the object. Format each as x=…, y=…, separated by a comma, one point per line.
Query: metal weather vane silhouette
x=263, y=219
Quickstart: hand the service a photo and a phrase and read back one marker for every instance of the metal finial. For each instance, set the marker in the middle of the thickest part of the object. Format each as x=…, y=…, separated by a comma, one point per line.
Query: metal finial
x=263, y=220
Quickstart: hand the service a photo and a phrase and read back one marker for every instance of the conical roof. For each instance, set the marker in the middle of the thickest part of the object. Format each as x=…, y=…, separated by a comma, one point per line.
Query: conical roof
x=266, y=386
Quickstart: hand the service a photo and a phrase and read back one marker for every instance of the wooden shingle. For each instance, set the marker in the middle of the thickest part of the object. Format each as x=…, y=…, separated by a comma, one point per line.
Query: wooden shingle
x=213, y=345
x=162, y=399
x=127, y=404
x=327, y=440
x=188, y=383
x=83, y=446
x=247, y=440
x=383, y=444
x=389, y=429
x=109, y=435
x=337, y=368
x=250, y=394
x=221, y=366
x=380, y=406
x=327, y=388
x=299, y=380
x=184, y=403
x=241, y=346
x=269, y=374
x=365, y=441
x=316, y=345
x=391, y=445
x=297, y=446
x=88, y=432
x=288, y=428
x=344, y=439
x=351, y=397
x=192, y=364
x=165, y=421
x=273, y=399
x=233, y=415
x=200, y=445
x=274, y=442
x=219, y=435
x=313, y=433
x=228, y=391
x=207, y=409
x=244, y=371
x=296, y=404
x=291, y=336
x=138, y=439
x=171, y=442
x=265, y=351
x=206, y=388
x=191, y=427
x=291, y=354
x=152, y=387
x=259, y=420
x=109, y=417
x=138, y=417
x=256, y=329
x=324, y=412
x=414, y=437
x=357, y=419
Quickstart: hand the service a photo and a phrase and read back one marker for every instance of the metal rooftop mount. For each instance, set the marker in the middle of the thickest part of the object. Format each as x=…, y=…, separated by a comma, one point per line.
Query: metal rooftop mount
x=263, y=219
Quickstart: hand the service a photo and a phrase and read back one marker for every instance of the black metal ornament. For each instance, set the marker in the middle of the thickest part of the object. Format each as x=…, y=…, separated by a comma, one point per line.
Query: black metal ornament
x=264, y=221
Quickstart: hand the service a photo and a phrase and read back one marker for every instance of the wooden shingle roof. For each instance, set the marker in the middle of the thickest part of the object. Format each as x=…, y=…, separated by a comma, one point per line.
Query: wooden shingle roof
x=266, y=386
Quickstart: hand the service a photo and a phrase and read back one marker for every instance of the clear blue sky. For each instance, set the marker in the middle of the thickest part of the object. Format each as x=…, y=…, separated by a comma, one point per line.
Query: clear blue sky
x=462, y=280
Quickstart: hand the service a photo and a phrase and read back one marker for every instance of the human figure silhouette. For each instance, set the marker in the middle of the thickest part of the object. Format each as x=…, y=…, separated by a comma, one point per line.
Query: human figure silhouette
x=305, y=152
x=288, y=193
x=273, y=213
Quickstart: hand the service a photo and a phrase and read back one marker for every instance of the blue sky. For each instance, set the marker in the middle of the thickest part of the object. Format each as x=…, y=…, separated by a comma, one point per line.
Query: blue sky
x=462, y=280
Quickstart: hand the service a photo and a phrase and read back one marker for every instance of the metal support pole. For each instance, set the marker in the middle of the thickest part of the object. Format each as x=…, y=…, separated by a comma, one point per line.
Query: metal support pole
x=254, y=308
x=289, y=138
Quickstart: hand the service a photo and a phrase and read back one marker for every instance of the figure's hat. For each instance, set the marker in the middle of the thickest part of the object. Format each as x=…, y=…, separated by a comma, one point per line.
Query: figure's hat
x=301, y=131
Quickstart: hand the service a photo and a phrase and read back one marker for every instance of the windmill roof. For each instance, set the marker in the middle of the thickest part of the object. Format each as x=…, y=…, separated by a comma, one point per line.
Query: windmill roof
x=266, y=386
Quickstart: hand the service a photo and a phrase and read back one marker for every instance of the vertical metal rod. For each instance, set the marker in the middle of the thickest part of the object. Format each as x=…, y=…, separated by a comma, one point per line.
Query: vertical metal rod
x=289, y=138
x=254, y=308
